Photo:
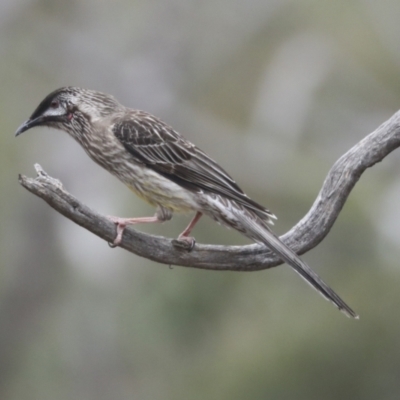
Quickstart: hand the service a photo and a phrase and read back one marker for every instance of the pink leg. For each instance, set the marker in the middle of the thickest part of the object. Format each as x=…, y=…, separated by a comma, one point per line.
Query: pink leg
x=123, y=222
x=184, y=236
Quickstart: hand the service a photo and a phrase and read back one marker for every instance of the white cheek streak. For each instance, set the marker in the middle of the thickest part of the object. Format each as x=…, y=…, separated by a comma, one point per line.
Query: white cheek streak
x=53, y=112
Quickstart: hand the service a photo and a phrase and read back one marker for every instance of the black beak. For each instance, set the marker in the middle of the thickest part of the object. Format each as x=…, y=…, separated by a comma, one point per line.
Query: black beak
x=30, y=124
x=40, y=121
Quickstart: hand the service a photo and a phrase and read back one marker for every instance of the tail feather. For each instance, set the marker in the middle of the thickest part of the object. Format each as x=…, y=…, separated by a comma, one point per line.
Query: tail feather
x=261, y=233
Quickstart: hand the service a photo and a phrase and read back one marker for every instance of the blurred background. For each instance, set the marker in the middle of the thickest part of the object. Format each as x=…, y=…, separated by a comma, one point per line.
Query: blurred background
x=276, y=91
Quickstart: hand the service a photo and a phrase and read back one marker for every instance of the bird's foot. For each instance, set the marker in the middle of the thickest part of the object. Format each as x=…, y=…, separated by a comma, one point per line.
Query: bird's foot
x=184, y=242
x=121, y=224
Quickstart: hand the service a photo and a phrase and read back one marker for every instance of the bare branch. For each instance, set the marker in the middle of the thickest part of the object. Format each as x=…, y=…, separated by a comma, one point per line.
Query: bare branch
x=305, y=235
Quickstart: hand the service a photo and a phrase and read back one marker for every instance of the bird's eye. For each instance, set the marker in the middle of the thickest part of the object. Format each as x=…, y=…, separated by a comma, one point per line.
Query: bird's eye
x=54, y=104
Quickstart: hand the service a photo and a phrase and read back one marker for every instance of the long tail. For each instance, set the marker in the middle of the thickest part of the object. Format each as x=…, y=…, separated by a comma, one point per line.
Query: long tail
x=260, y=232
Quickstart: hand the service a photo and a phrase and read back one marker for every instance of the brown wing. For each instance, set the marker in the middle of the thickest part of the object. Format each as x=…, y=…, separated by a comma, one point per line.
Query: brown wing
x=159, y=147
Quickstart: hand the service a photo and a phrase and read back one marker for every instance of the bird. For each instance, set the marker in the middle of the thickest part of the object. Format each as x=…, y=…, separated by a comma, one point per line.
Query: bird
x=165, y=169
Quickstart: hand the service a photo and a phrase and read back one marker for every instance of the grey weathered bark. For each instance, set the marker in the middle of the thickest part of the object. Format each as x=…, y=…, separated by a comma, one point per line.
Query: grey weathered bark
x=305, y=235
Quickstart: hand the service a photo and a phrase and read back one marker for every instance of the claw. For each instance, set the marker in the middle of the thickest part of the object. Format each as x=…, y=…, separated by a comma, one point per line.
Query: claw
x=185, y=242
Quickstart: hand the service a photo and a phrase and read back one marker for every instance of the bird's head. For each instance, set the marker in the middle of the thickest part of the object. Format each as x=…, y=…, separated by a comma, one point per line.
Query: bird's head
x=71, y=109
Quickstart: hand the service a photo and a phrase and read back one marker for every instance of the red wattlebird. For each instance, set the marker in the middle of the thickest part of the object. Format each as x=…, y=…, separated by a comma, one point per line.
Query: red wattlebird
x=165, y=169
